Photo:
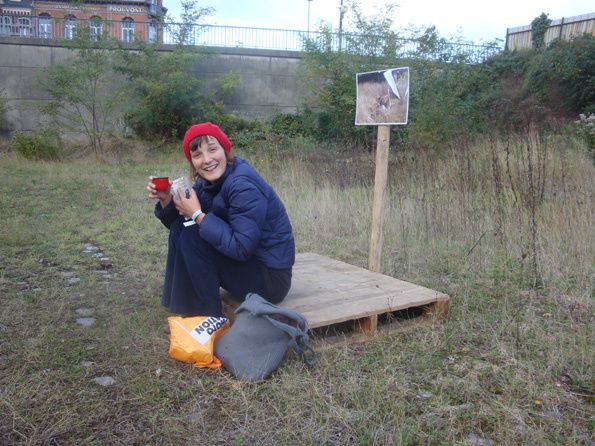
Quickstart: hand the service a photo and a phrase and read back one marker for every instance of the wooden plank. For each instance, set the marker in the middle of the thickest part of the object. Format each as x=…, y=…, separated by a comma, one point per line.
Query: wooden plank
x=349, y=292
x=346, y=277
x=379, y=204
x=328, y=292
x=333, y=311
x=229, y=306
x=373, y=295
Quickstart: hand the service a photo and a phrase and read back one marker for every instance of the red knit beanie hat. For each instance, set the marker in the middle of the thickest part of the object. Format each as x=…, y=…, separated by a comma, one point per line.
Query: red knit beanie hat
x=206, y=128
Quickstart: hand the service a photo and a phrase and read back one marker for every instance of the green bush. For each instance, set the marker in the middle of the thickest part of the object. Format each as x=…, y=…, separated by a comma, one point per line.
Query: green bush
x=295, y=124
x=562, y=74
x=42, y=146
x=448, y=95
x=450, y=98
x=164, y=94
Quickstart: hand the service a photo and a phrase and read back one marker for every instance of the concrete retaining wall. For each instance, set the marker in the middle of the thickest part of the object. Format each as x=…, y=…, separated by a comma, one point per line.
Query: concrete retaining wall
x=269, y=78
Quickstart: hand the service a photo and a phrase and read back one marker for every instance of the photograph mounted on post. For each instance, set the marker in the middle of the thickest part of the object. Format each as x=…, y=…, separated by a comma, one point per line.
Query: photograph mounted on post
x=382, y=97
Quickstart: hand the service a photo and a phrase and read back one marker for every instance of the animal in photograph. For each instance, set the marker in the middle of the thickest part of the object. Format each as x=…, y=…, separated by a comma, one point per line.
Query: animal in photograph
x=382, y=97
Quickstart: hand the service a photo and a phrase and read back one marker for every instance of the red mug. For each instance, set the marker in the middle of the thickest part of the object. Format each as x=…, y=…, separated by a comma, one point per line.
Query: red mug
x=161, y=183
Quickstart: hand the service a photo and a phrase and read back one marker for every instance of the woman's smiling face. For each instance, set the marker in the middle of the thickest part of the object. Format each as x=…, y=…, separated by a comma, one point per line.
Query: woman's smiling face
x=209, y=160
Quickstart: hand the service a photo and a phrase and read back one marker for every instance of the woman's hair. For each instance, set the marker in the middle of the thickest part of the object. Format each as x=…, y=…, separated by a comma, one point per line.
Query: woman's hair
x=195, y=144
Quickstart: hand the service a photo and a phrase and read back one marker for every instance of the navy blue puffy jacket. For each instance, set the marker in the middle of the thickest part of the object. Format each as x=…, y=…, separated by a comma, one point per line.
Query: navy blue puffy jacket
x=244, y=217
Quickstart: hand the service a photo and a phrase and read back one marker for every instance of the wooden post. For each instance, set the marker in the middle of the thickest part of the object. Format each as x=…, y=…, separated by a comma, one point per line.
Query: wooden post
x=437, y=310
x=368, y=325
x=561, y=28
x=379, y=205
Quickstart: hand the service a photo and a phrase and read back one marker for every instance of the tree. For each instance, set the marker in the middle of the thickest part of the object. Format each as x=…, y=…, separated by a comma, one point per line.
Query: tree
x=330, y=74
x=191, y=16
x=81, y=91
x=164, y=94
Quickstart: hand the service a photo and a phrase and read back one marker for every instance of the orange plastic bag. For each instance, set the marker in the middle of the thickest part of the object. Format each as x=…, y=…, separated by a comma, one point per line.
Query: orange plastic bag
x=192, y=339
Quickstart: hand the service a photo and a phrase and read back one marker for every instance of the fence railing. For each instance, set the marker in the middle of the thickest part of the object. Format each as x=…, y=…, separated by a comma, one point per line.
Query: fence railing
x=46, y=27
x=295, y=40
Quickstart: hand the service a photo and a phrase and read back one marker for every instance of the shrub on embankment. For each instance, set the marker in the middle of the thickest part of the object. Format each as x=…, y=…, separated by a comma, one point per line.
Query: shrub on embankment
x=449, y=96
x=451, y=99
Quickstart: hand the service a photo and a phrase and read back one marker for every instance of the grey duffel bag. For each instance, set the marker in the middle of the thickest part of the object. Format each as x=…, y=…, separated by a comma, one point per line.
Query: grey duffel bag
x=260, y=336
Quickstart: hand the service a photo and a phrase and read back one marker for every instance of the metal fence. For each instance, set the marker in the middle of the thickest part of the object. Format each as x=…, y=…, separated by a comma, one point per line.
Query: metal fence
x=46, y=27
x=295, y=40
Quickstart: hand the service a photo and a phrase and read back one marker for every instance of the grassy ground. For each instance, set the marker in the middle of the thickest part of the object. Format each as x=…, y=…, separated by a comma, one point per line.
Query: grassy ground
x=504, y=228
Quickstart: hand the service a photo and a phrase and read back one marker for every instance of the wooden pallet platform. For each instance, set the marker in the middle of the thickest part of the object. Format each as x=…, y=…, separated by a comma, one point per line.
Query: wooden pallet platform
x=329, y=292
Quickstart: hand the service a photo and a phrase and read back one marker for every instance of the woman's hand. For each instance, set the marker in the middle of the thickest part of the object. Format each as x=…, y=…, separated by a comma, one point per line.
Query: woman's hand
x=163, y=196
x=186, y=206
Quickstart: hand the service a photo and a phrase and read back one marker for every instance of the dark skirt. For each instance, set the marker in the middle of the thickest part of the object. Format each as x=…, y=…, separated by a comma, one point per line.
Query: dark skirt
x=195, y=271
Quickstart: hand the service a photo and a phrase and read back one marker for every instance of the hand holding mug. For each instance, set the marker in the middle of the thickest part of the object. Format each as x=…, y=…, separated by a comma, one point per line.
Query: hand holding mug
x=186, y=206
x=158, y=189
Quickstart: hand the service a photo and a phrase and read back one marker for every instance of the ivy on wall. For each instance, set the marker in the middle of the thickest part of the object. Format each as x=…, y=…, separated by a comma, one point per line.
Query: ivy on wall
x=539, y=27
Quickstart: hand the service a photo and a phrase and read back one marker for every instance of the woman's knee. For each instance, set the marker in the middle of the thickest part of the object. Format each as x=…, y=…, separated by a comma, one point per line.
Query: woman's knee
x=190, y=242
x=276, y=298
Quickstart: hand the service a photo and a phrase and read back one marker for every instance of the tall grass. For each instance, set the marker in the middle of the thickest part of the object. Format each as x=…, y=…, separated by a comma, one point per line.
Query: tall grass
x=504, y=226
x=521, y=204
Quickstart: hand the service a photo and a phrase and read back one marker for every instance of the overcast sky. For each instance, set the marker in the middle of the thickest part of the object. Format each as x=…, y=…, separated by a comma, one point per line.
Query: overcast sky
x=472, y=20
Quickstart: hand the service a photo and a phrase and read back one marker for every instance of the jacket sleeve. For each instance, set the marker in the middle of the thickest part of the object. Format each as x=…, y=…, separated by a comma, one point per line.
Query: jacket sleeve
x=239, y=237
x=168, y=214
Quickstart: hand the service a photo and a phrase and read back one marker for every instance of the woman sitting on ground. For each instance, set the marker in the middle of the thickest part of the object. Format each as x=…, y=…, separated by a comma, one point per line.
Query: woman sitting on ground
x=231, y=230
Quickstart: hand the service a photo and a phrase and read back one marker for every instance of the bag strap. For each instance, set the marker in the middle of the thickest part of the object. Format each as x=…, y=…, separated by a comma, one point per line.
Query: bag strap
x=307, y=354
x=298, y=339
x=290, y=321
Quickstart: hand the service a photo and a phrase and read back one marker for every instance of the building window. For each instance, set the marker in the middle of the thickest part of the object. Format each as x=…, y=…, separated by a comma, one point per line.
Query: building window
x=5, y=25
x=69, y=27
x=96, y=28
x=45, y=26
x=128, y=30
x=153, y=7
x=153, y=32
x=24, y=25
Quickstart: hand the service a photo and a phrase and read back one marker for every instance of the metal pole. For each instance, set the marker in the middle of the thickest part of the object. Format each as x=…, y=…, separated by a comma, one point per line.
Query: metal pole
x=309, y=2
x=341, y=12
x=561, y=28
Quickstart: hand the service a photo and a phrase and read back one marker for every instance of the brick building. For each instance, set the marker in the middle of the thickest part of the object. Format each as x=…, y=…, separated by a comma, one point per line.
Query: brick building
x=16, y=17
x=126, y=20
